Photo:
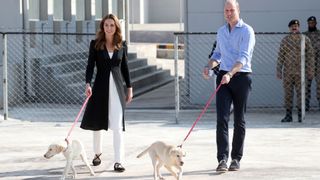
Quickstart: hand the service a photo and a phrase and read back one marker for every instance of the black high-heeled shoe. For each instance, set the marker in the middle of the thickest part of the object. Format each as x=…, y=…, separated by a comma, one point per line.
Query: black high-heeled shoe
x=96, y=160
x=118, y=167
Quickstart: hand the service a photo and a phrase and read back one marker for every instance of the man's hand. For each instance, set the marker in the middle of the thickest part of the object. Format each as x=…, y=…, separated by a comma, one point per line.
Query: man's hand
x=226, y=78
x=205, y=73
x=279, y=75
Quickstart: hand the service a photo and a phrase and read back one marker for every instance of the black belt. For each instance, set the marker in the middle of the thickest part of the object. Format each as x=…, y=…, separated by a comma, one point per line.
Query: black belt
x=236, y=74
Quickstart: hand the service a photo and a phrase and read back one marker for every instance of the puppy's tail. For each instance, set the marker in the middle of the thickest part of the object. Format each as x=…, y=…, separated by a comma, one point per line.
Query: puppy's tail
x=143, y=152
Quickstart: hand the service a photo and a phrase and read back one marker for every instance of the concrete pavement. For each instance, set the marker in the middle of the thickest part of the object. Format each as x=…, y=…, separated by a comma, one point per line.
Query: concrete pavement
x=273, y=150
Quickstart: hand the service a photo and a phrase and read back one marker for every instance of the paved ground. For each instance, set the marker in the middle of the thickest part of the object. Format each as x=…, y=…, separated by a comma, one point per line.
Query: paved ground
x=272, y=150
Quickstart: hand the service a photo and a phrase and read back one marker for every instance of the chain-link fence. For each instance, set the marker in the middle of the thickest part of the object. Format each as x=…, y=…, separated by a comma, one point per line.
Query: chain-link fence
x=277, y=63
x=45, y=75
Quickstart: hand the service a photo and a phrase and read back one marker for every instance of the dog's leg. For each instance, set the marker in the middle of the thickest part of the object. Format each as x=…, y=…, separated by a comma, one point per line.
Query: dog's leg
x=180, y=171
x=66, y=168
x=169, y=168
x=159, y=165
x=85, y=160
x=74, y=172
x=154, y=164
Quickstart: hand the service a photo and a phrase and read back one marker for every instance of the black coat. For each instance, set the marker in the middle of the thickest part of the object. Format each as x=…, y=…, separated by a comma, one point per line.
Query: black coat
x=96, y=114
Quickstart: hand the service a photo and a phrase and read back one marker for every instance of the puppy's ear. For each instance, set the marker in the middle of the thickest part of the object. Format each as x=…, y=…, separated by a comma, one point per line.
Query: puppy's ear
x=173, y=152
x=59, y=148
x=180, y=152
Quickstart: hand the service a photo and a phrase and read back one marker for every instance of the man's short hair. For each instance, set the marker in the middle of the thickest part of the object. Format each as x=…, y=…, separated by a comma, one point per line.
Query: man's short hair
x=233, y=1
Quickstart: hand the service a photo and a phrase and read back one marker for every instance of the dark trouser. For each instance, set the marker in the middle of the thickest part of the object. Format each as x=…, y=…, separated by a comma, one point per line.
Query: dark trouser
x=308, y=92
x=235, y=92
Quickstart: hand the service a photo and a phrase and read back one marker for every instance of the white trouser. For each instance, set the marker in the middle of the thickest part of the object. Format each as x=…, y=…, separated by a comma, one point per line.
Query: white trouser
x=115, y=124
x=114, y=107
x=118, y=145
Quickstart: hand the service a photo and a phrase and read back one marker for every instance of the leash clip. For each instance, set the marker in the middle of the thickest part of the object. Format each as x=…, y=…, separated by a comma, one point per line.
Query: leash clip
x=66, y=139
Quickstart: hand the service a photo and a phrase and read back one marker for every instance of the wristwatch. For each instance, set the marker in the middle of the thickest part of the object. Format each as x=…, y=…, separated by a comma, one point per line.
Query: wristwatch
x=230, y=74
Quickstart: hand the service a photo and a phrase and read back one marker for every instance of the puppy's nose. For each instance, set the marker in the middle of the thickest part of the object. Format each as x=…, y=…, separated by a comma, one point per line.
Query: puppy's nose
x=181, y=163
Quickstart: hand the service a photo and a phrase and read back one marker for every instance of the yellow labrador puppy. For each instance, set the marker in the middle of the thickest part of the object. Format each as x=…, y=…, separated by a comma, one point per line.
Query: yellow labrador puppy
x=71, y=151
x=169, y=156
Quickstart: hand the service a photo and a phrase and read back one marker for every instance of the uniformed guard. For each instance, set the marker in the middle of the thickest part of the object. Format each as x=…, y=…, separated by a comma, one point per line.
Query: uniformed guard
x=314, y=35
x=289, y=67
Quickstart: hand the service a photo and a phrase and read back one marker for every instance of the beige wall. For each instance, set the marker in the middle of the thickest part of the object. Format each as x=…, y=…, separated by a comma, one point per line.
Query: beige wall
x=10, y=17
x=263, y=15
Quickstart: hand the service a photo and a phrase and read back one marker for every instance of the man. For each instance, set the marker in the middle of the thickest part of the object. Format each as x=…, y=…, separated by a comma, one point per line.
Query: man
x=314, y=35
x=289, y=67
x=235, y=44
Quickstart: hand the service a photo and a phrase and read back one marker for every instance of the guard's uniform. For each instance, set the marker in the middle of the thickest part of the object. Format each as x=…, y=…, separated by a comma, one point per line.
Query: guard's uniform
x=289, y=65
x=314, y=36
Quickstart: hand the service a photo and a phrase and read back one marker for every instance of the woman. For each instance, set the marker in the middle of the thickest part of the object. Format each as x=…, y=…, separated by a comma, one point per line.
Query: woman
x=105, y=109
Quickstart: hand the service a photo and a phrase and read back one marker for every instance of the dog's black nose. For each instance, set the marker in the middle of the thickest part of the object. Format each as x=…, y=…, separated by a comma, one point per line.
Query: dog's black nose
x=181, y=163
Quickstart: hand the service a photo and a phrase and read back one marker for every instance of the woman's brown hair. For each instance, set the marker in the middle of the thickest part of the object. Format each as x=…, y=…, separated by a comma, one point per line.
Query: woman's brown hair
x=101, y=38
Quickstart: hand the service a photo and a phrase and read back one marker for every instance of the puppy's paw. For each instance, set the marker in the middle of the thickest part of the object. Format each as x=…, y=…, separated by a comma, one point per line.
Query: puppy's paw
x=74, y=176
x=161, y=178
x=92, y=173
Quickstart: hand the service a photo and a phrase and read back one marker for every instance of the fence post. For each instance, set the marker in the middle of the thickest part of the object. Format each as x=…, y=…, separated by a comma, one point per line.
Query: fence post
x=126, y=18
x=176, y=75
x=5, y=77
x=303, y=70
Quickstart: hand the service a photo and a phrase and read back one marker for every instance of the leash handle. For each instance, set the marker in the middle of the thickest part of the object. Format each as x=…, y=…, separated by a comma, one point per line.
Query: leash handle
x=201, y=114
x=77, y=118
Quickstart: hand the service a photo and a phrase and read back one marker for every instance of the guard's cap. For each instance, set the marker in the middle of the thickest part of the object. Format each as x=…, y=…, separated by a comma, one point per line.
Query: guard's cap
x=312, y=18
x=294, y=21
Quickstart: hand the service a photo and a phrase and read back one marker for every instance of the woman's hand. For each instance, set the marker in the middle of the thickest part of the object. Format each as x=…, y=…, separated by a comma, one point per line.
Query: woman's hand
x=88, y=90
x=129, y=95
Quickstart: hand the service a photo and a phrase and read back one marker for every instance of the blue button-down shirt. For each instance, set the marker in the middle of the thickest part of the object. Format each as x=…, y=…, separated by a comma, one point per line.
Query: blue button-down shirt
x=235, y=46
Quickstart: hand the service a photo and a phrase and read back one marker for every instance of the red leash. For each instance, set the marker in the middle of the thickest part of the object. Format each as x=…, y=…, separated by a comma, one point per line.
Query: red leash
x=77, y=118
x=201, y=114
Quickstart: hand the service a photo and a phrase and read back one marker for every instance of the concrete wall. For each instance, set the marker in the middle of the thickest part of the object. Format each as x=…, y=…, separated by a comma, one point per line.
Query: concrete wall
x=10, y=19
x=1, y=74
x=164, y=11
x=263, y=16
x=155, y=11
